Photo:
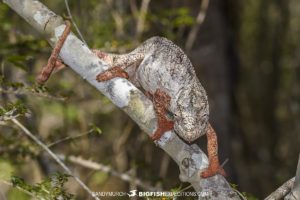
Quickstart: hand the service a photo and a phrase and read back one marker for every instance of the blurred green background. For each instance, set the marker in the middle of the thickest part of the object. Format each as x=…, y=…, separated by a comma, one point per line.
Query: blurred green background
x=246, y=54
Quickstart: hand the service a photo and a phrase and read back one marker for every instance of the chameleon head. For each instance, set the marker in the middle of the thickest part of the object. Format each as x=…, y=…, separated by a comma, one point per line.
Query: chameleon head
x=189, y=127
x=191, y=115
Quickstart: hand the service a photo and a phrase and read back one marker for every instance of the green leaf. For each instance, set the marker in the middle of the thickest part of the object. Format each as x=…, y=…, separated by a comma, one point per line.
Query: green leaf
x=95, y=129
x=50, y=188
x=19, y=61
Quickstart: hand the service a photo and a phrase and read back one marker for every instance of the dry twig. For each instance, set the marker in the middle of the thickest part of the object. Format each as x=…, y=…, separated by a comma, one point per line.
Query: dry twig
x=107, y=169
x=199, y=20
x=55, y=157
x=73, y=22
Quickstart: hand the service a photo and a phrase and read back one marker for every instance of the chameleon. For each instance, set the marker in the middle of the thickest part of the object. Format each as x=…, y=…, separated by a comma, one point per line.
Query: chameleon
x=167, y=76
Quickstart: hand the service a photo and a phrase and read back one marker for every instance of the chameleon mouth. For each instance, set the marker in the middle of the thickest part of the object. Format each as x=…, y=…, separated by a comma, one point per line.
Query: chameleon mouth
x=186, y=134
x=192, y=137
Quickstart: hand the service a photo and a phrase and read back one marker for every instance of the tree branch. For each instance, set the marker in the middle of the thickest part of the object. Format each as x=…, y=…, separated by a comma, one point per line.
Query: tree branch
x=295, y=192
x=41, y=144
x=190, y=158
x=199, y=20
x=107, y=169
x=19, y=188
x=141, y=18
x=296, y=187
x=73, y=22
x=290, y=190
x=282, y=190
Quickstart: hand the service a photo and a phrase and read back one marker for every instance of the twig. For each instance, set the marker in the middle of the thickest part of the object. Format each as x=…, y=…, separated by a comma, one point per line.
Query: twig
x=29, y=91
x=68, y=138
x=240, y=194
x=295, y=192
x=186, y=188
x=73, y=22
x=199, y=20
x=134, y=9
x=141, y=18
x=119, y=22
x=282, y=190
x=225, y=162
x=55, y=157
x=9, y=115
x=19, y=188
x=107, y=169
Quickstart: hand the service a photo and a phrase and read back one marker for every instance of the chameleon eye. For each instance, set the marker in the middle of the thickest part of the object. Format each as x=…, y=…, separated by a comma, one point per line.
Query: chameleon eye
x=175, y=114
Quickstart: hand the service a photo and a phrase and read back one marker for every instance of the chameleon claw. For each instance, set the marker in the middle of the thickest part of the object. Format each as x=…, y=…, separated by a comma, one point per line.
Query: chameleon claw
x=163, y=126
x=211, y=171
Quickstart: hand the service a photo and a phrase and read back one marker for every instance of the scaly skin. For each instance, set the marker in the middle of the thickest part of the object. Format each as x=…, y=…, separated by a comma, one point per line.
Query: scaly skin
x=161, y=68
x=53, y=61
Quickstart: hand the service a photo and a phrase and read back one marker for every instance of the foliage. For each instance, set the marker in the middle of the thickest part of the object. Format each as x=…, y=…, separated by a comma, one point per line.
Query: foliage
x=172, y=20
x=49, y=189
x=12, y=109
x=246, y=51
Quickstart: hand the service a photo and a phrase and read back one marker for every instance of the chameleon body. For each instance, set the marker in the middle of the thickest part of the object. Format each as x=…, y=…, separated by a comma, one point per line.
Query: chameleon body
x=160, y=67
x=167, y=76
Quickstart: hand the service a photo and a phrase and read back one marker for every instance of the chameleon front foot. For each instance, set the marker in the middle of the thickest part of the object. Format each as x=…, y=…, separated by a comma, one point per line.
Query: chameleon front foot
x=161, y=101
x=214, y=166
x=163, y=126
x=112, y=73
x=53, y=61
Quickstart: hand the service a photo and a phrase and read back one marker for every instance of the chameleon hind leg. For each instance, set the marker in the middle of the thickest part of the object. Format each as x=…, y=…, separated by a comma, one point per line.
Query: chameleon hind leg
x=54, y=63
x=212, y=149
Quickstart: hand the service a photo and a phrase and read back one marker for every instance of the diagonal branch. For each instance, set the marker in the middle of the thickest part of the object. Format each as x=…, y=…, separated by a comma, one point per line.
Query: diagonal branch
x=295, y=193
x=290, y=190
x=141, y=18
x=282, y=191
x=190, y=158
x=41, y=144
x=73, y=22
x=199, y=20
x=107, y=169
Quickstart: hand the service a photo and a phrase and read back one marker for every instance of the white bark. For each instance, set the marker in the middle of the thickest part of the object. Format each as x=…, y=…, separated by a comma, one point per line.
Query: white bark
x=295, y=192
x=290, y=190
x=282, y=191
x=190, y=159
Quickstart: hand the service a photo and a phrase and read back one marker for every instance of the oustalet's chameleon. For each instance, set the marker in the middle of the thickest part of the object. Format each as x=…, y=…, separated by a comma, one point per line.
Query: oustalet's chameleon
x=167, y=76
